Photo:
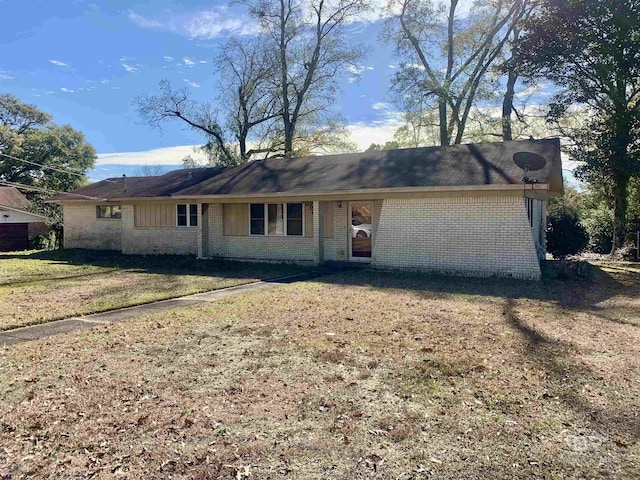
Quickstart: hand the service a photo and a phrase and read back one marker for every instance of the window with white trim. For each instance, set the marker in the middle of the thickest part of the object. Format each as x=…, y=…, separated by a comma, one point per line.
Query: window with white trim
x=108, y=211
x=276, y=219
x=187, y=215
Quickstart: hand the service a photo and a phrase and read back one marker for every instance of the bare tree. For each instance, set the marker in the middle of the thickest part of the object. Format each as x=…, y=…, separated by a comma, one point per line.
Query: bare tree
x=202, y=117
x=311, y=53
x=448, y=59
x=150, y=170
x=247, y=69
x=509, y=67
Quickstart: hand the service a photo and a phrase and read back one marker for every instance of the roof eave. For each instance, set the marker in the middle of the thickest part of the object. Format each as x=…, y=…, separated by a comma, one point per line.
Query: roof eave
x=6, y=207
x=329, y=194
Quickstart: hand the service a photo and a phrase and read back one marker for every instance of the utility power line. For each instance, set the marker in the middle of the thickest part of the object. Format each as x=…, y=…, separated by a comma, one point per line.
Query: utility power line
x=45, y=190
x=61, y=170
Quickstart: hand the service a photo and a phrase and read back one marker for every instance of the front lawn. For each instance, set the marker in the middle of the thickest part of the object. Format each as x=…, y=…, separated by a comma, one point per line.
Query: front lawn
x=36, y=287
x=355, y=375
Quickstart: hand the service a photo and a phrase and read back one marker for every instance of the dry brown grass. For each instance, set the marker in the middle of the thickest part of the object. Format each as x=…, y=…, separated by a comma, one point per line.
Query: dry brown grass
x=41, y=286
x=357, y=375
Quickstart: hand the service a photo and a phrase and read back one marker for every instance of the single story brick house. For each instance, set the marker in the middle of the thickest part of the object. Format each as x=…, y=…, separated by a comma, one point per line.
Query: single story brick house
x=461, y=209
x=18, y=226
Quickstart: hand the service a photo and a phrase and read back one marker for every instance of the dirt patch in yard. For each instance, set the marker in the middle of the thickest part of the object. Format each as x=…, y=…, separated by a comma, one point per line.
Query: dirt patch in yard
x=357, y=375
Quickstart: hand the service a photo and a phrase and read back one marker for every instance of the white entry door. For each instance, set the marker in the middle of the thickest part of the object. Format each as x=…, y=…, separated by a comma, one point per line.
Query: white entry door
x=361, y=231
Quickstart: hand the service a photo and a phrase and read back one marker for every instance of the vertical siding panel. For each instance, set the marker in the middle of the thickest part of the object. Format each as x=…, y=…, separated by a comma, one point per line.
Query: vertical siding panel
x=169, y=217
x=244, y=219
x=328, y=219
x=308, y=220
x=235, y=219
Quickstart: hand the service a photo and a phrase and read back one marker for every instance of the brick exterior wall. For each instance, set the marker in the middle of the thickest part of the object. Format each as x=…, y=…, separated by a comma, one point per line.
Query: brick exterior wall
x=259, y=247
x=83, y=230
x=481, y=236
x=160, y=240
x=466, y=235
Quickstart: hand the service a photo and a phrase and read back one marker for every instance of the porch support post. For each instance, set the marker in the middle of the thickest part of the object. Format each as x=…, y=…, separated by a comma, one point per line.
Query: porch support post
x=316, y=231
x=199, y=228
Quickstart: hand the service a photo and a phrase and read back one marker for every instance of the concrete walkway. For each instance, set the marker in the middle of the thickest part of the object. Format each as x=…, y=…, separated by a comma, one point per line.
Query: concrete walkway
x=26, y=334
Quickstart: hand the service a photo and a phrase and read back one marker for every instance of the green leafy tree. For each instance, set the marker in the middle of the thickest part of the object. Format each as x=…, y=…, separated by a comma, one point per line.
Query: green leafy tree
x=591, y=50
x=40, y=154
x=565, y=235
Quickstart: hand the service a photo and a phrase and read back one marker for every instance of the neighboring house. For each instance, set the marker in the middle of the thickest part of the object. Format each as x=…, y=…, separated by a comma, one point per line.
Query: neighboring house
x=17, y=226
x=461, y=209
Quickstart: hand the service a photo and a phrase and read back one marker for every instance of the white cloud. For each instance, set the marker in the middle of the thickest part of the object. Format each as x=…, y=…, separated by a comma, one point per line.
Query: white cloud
x=203, y=61
x=67, y=90
x=144, y=22
x=167, y=58
x=355, y=69
x=104, y=81
x=192, y=84
x=6, y=75
x=204, y=24
x=532, y=90
x=188, y=62
x=218, y=21
x=381, y=106
x=364, y=134
x=129, y=68
x=157, y=156
x=58, y=63
x=392, y=66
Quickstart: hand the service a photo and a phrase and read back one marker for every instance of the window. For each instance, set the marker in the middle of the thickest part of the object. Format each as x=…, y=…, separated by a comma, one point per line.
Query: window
x=193, y=215
x=108, y=211
x=187, y=215
x=276, y=219
x=294, y=219
x=257, y=219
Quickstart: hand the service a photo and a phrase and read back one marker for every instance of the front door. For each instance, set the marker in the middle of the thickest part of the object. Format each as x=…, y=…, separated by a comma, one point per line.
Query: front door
x=361, y=231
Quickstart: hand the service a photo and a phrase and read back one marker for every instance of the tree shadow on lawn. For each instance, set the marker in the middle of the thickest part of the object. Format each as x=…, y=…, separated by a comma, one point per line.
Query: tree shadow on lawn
x=577, y=294
x=568, y=378
x=568, y=381
x=161, y=264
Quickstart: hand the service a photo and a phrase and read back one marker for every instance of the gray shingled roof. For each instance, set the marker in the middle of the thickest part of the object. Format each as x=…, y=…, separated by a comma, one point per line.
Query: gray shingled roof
x=13, y=198
x=452, y=166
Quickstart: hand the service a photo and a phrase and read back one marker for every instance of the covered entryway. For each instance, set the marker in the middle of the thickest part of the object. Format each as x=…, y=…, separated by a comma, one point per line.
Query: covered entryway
x=361, y=231
x=14, y=236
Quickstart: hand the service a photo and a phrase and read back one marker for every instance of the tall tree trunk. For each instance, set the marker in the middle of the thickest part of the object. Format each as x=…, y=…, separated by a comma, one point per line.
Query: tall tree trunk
x=284, y=78
x=243, y=147
x=507, y=104
x=620, y=204
x=442, y=111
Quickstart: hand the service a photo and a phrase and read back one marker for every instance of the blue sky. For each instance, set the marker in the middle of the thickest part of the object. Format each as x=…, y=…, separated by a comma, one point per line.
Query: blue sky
x=84, y=61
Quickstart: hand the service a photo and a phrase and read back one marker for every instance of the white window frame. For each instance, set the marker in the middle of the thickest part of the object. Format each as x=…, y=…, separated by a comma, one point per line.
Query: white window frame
x=188, y=205
x=284, y=219
x=110, y=217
